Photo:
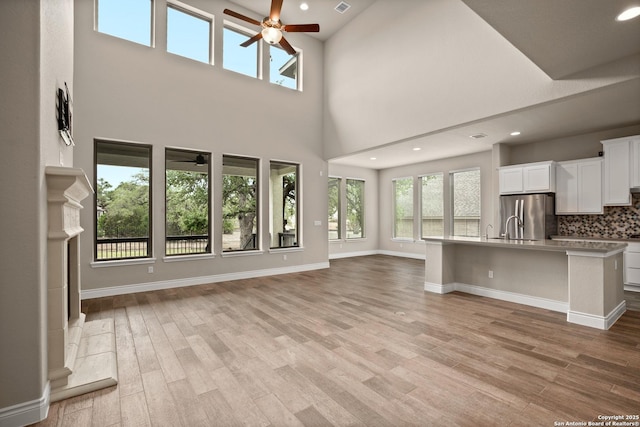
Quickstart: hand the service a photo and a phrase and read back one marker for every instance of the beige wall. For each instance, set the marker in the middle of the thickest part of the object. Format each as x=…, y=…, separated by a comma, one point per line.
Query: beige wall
x=37, y=58
x=568, y=148
x=433, y=65
x=125, y=91
x=514, y=271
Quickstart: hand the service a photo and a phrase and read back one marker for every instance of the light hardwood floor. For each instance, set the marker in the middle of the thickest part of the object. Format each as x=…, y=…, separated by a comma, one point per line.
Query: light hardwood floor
x=358, y=344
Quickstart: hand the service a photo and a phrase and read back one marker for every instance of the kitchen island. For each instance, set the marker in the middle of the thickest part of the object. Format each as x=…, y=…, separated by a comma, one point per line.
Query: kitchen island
x=582, y=279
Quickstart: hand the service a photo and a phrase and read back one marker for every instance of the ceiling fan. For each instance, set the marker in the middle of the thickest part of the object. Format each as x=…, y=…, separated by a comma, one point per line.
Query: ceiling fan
x=272, y=28
x=200, y=160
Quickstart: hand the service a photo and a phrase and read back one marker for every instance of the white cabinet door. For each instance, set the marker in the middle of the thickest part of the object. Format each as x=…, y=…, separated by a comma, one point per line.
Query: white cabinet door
x=632, y=264
x=635, y=162
x=590, y=186
x=566, y=188
x=617, y=180
x=537, y=178
x=510, y=180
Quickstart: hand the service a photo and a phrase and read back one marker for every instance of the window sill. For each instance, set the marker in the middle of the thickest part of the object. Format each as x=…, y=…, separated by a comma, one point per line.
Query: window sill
x=281, y=250
x=355, y=239
x=241, y=253
x=187, y=257
x=402, y=239
x=122, y=262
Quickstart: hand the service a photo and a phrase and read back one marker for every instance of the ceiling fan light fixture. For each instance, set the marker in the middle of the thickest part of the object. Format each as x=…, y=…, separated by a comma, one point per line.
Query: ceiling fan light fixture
x=630, y=13
x=271, y=35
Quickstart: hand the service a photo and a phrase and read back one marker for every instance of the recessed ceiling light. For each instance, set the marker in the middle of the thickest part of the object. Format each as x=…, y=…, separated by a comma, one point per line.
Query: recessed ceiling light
x=516, y=133
x=372, y=158
x=630, y=13
x=478, y=136
x=304, y=6
x=417, y=149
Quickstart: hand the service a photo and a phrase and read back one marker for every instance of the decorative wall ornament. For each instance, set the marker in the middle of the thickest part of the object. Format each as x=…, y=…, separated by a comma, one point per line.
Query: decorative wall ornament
x=65, y=115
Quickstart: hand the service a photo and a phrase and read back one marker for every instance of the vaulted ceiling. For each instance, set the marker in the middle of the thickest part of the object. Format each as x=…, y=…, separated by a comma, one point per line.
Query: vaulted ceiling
x=566, y=39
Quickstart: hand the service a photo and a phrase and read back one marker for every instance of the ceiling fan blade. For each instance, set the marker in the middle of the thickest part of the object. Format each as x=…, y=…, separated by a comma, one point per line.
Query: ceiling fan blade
x=240, y=16
x=286, y=46
x=252, y=40
x=276, y=7
x=301, y=28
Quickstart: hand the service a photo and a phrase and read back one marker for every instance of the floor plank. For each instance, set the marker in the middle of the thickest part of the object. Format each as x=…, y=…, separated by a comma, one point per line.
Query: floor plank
x=358, y=344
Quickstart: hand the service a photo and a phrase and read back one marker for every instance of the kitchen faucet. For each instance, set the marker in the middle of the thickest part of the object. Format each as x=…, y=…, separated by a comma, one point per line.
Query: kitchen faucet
x=506, y=226
x=486, y=231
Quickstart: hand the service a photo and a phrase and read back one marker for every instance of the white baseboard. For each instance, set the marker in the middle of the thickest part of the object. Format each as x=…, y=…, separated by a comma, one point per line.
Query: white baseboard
x=599, y=322
x=192, y=281
x=632, y=288
x=544, y=303
x=377, y=252
x=403, y=254
x=352, y=254
x=26, y=413
x=439, y=289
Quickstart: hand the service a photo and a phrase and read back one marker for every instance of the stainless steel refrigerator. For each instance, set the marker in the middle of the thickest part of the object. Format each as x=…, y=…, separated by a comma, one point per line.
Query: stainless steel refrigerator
x=536, y=211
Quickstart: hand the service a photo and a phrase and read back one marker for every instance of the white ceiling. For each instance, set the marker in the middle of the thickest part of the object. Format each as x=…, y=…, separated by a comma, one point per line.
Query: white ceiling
x=320, y=12
x=562, y=37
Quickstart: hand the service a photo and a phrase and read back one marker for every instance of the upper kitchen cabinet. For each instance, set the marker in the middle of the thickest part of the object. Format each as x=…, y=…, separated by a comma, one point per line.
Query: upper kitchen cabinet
x=635, y=161
x=579, y=187
x=621, y=169
x=528, y=178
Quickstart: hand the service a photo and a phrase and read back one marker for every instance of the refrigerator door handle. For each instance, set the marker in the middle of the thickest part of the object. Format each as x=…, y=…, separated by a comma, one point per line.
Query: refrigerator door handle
x=520, y=225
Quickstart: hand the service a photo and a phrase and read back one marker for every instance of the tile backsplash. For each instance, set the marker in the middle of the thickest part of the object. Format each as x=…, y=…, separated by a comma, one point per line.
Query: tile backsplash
x=617, y=222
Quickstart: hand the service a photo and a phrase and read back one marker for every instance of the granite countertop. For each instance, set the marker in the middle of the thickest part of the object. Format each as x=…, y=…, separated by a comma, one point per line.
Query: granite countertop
x=605, y=247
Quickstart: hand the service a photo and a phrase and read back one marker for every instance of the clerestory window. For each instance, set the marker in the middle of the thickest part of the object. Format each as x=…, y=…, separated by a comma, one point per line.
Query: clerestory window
x=127, y=19
x=189, y=32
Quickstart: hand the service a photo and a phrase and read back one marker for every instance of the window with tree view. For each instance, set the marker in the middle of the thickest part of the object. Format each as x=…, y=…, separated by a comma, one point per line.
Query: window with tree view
x=403, y=208
x=123, y=200
x=239, y=203
x=333, y=220
x=355, y=209
x=187, y=192
x=432, y=205
x=283, y=191
x=466, y=202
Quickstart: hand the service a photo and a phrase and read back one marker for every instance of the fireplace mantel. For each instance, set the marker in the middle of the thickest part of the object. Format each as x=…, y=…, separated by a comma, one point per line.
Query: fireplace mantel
x=66, y=188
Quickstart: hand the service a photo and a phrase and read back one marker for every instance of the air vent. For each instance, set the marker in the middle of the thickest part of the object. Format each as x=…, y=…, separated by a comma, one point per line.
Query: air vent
x=478, y=136
x=342, y=7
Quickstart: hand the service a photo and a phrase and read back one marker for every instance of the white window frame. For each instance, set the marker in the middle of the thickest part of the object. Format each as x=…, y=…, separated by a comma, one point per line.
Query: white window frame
x=421, y=201
x=346, y=205
x=196, y=13
x=393, y=210
x=299, y=56
x=452, y=199
x=259, y=53
x=340, y=205
x=299, y=207
x=152, y=27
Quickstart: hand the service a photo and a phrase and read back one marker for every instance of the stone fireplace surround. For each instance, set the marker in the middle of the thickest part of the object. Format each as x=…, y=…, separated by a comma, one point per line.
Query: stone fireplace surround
x=81, y=356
